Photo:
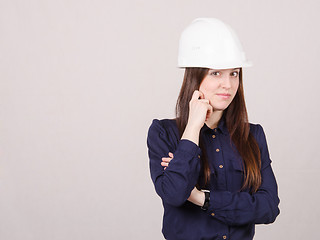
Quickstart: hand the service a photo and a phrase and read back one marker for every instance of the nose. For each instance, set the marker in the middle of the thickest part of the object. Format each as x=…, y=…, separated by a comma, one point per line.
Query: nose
x=226, y=82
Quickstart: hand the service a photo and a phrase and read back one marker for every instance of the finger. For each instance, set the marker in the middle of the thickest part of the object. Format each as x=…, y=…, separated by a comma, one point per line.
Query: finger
x=210, y=108
x=201, y=95
x=163, y=164
x=204, y=100
x=209, y=111
x=166, y=160
x=195, y=95
x=171, y=154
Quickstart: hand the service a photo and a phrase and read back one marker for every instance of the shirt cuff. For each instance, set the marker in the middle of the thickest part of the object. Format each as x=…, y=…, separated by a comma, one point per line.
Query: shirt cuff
x=190, y=147
x=218, y=200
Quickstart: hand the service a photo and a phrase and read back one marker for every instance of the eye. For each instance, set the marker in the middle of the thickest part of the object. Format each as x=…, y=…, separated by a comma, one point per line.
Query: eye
x=235, y=74
x=215, y=73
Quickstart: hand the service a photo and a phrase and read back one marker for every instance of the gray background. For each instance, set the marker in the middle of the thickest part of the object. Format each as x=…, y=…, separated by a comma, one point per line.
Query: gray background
x=81, y=81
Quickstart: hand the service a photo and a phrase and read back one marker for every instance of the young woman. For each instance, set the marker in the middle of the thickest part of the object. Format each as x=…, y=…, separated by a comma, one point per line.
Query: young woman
x=210, y=166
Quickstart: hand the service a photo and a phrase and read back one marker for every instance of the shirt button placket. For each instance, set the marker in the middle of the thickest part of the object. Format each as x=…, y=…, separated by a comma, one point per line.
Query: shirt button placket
x=218, y=150
x=222, y=180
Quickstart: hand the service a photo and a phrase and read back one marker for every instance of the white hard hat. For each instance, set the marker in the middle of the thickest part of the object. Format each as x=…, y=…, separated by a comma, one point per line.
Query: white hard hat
x=210, y=43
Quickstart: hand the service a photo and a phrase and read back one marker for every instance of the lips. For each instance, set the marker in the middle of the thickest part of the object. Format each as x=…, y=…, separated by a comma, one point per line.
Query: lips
x=224, y=95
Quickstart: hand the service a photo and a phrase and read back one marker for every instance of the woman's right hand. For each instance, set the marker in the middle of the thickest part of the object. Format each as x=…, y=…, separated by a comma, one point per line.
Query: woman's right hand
x=199, y=111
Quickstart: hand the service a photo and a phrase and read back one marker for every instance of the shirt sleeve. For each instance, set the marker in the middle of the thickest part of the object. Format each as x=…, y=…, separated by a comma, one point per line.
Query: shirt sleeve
x=173, y=185
x=241, y=208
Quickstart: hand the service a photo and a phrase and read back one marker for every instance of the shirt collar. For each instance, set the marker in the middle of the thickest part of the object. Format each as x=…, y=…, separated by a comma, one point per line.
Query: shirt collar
x=222, y=127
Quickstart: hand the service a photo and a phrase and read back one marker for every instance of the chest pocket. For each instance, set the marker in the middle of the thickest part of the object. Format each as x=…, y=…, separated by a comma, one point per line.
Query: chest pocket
x=237, y=164
x=237, y=173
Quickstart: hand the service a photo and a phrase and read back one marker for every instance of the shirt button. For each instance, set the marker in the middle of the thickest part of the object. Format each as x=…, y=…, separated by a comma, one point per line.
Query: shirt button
x=220, y=166
x=212, y=214
x=217, y=150
x=224, y=237
x=198, y=156
x=213, y=136
x=215, y=130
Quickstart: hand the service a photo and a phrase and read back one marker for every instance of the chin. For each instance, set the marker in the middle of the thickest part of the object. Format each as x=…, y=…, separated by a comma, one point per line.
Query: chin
x=220, y=107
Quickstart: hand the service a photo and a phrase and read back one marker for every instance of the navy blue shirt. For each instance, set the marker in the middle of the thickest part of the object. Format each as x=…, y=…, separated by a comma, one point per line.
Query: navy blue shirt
x=232, y=213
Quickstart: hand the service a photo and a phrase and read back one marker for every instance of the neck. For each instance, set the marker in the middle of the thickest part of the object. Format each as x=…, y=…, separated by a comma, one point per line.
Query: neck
x=213, y=120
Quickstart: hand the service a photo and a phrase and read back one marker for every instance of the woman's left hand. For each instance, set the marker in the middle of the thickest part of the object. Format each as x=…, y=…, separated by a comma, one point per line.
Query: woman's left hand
x=166, y=160
x=196, y=196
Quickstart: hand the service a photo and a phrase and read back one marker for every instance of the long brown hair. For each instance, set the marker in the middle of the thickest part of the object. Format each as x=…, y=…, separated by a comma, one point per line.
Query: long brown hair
x=236, y=119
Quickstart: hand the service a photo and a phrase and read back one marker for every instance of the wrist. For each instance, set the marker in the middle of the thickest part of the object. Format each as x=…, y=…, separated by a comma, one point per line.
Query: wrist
x=191, y=133
x=197, y=197
x=193, y=127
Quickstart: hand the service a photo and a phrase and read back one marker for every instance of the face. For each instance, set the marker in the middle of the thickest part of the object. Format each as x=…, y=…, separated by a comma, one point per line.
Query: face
x=220, y=87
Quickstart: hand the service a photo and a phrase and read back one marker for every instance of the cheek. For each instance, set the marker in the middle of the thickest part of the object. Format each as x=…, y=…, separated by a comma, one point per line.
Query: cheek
x=203, y=89
x=208, y=89
x=235, y=87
